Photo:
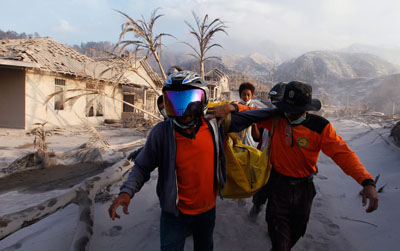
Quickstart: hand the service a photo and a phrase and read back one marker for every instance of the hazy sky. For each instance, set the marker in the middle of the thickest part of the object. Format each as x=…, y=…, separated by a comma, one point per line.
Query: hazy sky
x=310, y=24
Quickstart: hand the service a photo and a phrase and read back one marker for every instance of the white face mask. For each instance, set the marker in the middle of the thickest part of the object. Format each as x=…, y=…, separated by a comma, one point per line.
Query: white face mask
x=164, y=113
x=242, y=102
x=299, y=120
x=184, y=126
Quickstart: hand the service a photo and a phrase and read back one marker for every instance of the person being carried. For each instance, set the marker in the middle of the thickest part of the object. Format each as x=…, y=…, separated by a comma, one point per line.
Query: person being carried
x=188, y=151
x=297, y=141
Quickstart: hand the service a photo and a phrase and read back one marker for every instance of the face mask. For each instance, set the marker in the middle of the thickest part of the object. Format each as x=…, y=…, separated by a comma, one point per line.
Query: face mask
x=184, y=126
x=244, y=103
x=273, y=103
x=164, y=113
x=299, y=120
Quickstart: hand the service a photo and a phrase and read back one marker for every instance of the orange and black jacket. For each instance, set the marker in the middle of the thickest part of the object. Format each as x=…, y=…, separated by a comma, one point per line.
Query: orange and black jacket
x=299, y=158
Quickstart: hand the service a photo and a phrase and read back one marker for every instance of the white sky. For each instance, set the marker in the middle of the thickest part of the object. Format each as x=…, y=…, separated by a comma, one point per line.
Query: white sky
x=307, y=24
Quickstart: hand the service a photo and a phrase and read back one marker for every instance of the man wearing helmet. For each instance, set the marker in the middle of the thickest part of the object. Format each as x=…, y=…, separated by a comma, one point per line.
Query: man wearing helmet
x=188, y=151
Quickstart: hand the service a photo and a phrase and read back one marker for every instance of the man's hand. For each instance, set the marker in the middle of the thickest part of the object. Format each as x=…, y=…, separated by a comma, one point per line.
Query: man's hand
x=124, y=200
x=369, y=192
x=219, y=111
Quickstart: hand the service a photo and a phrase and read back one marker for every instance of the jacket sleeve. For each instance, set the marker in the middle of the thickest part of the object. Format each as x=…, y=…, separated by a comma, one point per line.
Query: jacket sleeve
x=242, y=120
x=338, y=150
x=242, y=108
x=145, y=163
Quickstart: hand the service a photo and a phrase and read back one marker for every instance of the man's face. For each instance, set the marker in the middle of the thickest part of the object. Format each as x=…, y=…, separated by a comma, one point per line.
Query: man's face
x=294, y=116
x=246, y=95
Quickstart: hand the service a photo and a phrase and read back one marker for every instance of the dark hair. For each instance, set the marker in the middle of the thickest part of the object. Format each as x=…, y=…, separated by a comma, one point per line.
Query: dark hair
x=174, y=68
x=160, y=99
x=246, y=86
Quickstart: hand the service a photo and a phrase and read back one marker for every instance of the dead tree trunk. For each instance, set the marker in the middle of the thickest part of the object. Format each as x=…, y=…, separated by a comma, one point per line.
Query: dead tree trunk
x=82, y=194
x=12, y=222
x=85, y=199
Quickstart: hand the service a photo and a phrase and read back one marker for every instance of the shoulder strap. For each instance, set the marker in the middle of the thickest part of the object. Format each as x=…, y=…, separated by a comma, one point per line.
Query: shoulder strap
x=243, y=133
x=214, y=126
x=227, y=124
x=268, y=147
x=276, y=119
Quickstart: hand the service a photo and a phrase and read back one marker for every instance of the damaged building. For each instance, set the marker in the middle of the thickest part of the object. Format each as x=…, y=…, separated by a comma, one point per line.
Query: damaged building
x=217, y=83
x=42, y=80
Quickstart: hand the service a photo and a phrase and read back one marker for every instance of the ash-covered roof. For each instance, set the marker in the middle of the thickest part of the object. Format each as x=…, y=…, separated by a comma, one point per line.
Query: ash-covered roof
x=215, y=74
x=49, y=55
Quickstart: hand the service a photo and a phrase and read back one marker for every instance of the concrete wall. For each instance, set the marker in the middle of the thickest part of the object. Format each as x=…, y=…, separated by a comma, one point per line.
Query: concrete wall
x=23, y=95
x=38, y=88
x=140, y=77
x=224, y=83
x=12, y=98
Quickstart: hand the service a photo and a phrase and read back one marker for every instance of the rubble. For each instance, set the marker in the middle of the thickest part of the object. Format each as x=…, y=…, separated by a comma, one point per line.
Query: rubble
x=137, y=120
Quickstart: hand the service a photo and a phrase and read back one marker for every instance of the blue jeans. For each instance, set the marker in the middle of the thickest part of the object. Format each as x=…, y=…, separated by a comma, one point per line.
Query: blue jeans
x=173, y=230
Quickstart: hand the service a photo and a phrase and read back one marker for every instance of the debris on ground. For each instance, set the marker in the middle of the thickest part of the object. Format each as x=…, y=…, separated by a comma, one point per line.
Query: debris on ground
x=139, y=122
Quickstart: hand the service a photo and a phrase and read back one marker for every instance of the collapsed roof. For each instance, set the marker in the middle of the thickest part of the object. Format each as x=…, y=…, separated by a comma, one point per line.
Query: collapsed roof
x=46, y=54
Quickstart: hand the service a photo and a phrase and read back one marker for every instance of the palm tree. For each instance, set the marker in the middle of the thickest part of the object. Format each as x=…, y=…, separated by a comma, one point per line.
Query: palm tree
x=204, y=32
x=143, y=31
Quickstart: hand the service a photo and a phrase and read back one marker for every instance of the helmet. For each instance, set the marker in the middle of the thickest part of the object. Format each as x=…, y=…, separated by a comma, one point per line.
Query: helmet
x=185, y=93
x=277, y=91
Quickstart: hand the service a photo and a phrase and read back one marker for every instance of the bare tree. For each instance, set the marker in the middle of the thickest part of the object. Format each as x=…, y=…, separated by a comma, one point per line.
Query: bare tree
x=143, y=31
x=204, y=32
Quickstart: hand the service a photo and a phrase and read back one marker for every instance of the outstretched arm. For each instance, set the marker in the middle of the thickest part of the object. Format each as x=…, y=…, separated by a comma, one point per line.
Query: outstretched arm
x=222, y=111
x=242, y=120
x=336, y=148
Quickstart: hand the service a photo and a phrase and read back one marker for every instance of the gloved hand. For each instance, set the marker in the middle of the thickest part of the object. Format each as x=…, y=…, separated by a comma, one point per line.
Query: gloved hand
x=123, y=199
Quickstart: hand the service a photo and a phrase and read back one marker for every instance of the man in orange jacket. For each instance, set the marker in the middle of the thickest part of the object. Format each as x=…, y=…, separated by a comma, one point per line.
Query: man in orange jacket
x=297, y=141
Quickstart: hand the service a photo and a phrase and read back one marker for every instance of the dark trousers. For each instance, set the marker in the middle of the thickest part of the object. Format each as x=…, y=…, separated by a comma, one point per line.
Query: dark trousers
x=288, y=209
x=173, y=230
x=261, y=196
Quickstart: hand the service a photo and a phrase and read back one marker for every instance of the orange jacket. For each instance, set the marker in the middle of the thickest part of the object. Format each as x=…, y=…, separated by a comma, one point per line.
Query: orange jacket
x=308, y=138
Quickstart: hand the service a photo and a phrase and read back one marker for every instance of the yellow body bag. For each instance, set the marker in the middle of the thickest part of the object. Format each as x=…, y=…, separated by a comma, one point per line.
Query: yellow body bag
x=247, y=168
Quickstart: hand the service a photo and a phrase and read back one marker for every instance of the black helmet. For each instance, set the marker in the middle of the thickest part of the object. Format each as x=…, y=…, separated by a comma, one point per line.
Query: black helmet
x=277, y=91
x=185, y=93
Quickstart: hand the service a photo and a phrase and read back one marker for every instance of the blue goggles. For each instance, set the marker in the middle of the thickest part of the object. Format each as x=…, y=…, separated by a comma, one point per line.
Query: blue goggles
x=183, y=102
